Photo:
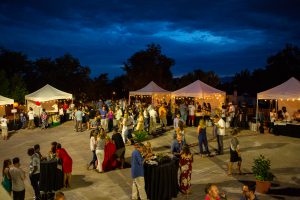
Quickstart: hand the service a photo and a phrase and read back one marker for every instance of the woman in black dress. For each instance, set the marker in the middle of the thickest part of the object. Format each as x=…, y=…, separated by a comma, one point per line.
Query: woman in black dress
x=235, y=155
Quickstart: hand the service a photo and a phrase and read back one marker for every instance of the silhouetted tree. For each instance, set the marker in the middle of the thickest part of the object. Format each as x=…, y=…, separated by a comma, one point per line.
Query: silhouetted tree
x=4, y=84
x=14, y=67
x=148, y=65
x=17, y=88
x=117, y=84
x=14, y=63
x=284, y=64
x=209, y=78
x=65, y=73
x=101, y=88
x=242, y=81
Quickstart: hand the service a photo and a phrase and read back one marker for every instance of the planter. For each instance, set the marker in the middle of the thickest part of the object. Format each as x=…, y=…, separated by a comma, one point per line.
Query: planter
x=262, y=186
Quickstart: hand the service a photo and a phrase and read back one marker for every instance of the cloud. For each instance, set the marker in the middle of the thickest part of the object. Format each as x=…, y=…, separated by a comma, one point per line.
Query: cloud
x=223, y=36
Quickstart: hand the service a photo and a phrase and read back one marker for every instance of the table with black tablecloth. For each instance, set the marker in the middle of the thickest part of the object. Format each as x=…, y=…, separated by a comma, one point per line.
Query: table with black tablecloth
x=51, y=176
x=287, y=129
x=161, y=181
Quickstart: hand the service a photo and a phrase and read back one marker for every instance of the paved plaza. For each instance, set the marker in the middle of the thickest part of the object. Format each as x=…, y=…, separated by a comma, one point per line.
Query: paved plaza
x=281, y=150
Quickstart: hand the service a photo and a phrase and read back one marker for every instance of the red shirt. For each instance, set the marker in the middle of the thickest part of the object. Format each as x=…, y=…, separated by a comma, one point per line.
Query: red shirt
x=207, y=198
x=65, y=106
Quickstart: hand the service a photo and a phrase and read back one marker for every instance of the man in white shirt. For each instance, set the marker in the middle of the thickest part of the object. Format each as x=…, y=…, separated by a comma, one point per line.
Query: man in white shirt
x=153, y=115
x=4, y=131
x=220, y=123
x=17, y=179
x=286, y=115
x=192, y=109
x=31, y=118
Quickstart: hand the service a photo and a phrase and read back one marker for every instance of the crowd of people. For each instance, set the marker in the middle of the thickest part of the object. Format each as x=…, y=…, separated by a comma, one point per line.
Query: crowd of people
x=14, y=175
x=122, y=120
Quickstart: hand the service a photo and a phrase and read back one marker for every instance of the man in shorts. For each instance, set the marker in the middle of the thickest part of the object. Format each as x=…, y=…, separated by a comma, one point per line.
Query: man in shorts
x=3, y=123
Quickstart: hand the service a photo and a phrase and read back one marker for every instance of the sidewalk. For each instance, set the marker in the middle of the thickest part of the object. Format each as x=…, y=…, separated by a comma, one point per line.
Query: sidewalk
x=282, y=151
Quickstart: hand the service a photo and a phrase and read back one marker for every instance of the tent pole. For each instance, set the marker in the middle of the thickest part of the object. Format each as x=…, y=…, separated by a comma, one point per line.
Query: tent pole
x=256, y=113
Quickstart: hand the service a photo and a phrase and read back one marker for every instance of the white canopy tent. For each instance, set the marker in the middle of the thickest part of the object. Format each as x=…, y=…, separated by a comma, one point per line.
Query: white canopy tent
x=287, y=90
x=203, y=92
x=286, y=94
x=48, y=97
x=153, y=90
x=48, y=93
x=5, y=101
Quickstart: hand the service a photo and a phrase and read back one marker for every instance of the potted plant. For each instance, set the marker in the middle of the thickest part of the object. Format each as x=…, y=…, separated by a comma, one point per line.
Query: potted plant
x=139, y=136
x=263, y=176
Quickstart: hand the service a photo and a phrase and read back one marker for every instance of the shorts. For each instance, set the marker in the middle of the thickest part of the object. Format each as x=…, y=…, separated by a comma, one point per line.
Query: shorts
x=4, y=131
x=192, y=117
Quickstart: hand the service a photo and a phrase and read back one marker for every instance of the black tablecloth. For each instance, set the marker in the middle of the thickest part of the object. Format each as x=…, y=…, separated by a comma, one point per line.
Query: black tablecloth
x=51, y=178
x=287, y=130
x=161, y=182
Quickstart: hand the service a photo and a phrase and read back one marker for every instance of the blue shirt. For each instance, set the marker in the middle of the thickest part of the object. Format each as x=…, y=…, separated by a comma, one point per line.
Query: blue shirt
x=176, y=147
x=137, y=168
x=103, y=114
x=78, y=115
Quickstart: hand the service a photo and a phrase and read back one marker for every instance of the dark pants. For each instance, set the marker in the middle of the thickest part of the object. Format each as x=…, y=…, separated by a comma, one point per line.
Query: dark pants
x=130, y=136
x=271, y=127
x=146, y=123
x=220, y=144
x=197, y=120
x=110, y=124
x=203, y=140
x=19, y=195
x=93, y=162
x=34, y=179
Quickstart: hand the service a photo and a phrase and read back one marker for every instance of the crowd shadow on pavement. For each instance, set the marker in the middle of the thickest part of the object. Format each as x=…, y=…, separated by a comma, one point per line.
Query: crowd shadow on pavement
x=11, y=133
x=286, y=191
x=264, y=146
x=161, y=148
x=79, y=182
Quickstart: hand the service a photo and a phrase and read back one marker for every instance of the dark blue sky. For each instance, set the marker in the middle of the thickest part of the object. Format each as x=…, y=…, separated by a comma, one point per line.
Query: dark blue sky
x=222, y=36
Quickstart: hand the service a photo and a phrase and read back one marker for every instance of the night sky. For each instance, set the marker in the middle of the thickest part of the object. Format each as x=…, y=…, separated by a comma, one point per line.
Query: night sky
x=223, y=36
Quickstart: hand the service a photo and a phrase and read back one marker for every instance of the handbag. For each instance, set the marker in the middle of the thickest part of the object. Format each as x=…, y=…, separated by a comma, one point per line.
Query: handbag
x=6, y=184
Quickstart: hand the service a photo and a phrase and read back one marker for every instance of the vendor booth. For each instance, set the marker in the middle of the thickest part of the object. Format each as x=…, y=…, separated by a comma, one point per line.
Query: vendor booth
x=153, y=92
x=201, y=92
x=4, y=102
x=286, y=94
x=47, y=98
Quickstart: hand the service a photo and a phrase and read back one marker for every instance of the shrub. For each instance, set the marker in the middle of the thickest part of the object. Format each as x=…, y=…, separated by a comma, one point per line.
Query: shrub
x=261, y=169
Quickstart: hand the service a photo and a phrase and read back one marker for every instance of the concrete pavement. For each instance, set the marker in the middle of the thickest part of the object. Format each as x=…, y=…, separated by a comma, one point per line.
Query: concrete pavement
x=88, y=185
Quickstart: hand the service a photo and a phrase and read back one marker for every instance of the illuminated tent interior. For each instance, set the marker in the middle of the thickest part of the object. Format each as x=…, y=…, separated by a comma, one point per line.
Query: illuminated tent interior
x=286, y=94
x=201, y=92
x=153, y=91
x=3, y=102
x=47, y=97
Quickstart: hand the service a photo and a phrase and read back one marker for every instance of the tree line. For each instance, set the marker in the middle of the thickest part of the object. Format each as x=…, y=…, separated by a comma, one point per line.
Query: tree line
x=19, y=75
